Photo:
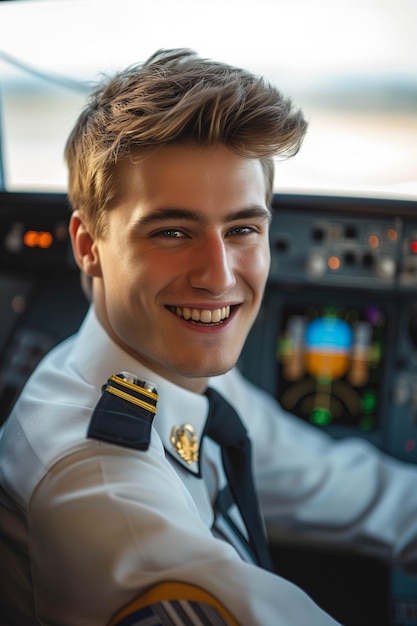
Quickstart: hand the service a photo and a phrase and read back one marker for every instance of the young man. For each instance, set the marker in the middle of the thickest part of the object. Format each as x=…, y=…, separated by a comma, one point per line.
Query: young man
x=118, y=502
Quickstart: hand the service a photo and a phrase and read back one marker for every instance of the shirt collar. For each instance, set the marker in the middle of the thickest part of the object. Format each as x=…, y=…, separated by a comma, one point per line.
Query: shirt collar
x=181, y=414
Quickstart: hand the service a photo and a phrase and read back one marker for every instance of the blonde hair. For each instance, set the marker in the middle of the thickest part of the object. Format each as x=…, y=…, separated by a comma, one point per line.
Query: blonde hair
x=175, y=97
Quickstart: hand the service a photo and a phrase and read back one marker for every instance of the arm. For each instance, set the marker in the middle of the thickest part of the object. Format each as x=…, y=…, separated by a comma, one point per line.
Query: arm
x=341, y=492
x=107, y=524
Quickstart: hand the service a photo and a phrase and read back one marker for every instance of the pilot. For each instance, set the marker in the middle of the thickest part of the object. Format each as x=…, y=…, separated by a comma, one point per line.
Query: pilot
x=127, y=494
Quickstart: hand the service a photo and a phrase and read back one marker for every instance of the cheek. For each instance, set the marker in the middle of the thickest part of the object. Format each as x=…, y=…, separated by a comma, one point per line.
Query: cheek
x=120, y=267
x=257, y=263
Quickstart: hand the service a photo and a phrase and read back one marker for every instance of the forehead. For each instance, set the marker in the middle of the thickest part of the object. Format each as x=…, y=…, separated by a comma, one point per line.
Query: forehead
x=191, y=177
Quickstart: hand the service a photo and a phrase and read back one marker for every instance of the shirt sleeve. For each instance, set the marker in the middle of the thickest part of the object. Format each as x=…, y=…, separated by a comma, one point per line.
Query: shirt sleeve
x=342, y=492
x=106, y=524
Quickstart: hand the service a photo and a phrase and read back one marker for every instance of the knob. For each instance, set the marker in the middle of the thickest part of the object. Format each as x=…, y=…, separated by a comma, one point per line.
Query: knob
x=316, y=264
x=386, y=267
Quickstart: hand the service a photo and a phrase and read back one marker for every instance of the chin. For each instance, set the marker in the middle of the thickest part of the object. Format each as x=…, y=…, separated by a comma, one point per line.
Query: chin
x=209, y=370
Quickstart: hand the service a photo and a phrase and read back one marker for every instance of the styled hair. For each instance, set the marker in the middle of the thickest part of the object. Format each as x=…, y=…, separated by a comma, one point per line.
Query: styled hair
x=175, y=97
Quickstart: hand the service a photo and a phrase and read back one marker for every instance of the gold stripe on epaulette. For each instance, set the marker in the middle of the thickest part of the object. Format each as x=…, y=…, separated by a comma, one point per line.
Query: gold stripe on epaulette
x=130, y=398
x=129, y=385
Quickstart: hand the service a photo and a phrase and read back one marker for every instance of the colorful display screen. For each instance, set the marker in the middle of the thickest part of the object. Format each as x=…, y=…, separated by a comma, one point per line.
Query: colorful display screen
x=330, y=364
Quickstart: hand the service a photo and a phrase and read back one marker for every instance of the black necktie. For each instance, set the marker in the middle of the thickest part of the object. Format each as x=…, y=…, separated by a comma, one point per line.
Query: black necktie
x=225, y=428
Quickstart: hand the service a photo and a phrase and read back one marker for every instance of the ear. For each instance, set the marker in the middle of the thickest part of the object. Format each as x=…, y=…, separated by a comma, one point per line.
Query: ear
x=84, y=246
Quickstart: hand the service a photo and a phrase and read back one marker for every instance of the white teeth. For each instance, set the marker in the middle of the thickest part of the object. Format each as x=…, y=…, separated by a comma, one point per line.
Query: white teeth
x=185, y=313
x=204, y=316
x=216, y=315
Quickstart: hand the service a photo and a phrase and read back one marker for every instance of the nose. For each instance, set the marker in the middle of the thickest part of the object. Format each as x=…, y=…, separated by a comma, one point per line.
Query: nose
x=211, y=265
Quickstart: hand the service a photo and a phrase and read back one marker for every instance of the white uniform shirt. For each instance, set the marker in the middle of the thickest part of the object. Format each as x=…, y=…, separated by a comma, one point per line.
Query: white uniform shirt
x=89, y=526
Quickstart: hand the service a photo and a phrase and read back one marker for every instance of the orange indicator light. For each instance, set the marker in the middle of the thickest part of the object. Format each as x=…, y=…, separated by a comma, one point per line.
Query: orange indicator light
x=333, y=262
x=29, y=238
x=392, y=234
x=45, y=240
x=37, y=239
x=373, y=241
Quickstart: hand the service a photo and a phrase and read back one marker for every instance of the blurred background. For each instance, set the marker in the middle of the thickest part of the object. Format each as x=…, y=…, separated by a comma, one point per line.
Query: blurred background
x=351, y=65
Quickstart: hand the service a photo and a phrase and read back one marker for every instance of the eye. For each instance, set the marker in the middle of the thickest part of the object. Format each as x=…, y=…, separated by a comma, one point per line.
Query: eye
x=239, y=231
x=169, y=233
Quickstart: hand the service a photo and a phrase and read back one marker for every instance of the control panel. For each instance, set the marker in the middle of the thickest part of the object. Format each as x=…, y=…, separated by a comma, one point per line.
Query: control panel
x=41, y=300
x=364, y=244
x=336, y=339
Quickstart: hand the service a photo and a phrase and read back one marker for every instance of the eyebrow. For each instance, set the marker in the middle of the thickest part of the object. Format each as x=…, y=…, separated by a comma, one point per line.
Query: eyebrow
x=190, y=215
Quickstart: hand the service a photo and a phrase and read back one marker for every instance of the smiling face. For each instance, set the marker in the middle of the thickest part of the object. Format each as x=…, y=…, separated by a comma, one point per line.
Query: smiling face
x=180, y=271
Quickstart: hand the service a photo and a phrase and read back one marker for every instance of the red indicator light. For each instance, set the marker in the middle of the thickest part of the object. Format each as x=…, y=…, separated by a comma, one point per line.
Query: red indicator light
x=37, y=239
x=413, y=246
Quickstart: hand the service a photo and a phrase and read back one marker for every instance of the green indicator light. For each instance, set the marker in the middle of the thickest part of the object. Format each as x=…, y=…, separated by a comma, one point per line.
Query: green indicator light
x=374, y=354
x=284, y=347
x=324, y=381
x=368, y=402
x=320, y=416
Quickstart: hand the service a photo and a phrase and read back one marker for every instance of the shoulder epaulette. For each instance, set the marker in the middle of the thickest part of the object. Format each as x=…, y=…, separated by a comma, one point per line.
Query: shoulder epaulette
x=125, y=412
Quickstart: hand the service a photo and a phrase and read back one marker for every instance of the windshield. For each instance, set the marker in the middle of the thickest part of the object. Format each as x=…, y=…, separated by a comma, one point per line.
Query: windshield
x=351, y=66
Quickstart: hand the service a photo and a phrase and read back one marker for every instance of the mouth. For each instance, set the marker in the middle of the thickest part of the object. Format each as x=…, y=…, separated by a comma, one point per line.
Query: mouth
x=206, y=317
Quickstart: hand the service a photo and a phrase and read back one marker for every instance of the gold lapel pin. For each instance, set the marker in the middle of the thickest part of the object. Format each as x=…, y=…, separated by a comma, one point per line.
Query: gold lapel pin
x=185, y=442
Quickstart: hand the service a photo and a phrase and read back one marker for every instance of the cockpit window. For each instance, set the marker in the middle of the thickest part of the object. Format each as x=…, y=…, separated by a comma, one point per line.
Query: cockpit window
x=352, y=67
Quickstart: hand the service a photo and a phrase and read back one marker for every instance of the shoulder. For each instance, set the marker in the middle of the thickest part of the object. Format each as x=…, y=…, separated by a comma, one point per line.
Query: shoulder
x=49, y=419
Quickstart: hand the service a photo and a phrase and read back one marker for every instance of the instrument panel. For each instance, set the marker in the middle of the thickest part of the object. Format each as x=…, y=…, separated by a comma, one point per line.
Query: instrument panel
x=336, y=338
